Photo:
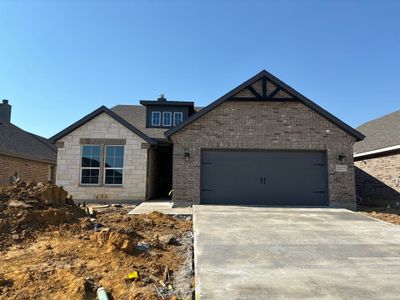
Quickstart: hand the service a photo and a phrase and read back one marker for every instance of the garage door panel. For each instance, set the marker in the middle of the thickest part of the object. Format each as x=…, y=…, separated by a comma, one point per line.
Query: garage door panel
x=230, y=176
x=264, y=178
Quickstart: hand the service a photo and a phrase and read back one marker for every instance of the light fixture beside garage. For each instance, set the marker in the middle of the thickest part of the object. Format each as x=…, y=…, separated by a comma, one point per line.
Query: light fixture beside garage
x=187, y=155
x=342, y=158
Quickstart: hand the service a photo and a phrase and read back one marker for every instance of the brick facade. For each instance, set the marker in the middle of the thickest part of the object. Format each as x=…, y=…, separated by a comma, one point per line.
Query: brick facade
x=378, y=180
x=275, y=125
x=25, y=168
x=135, y=161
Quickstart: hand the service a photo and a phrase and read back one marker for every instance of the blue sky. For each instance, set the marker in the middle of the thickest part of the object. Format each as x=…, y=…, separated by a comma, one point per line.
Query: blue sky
x=59, y=60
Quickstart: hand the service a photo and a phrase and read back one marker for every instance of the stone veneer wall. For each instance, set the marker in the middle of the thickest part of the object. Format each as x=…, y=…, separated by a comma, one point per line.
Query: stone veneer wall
x=135, y=161
x=378, y=180
x=262, y=125
x=25, y=168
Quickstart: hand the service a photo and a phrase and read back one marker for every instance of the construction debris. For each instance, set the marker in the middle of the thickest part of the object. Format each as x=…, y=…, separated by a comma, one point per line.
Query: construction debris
x=55, y=251
x=153, y=278
x=162, y=283
x=168, y=239
x=158, y=292
x=134, y=275
x=166, y=274
x=102, y=294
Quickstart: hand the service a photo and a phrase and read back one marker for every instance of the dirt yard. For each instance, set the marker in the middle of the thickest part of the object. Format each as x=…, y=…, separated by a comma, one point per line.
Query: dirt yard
x=60, y=253
x=391, y=215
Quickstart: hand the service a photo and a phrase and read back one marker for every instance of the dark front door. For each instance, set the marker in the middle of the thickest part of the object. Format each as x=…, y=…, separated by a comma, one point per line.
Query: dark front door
x=296, y=178
x=159, y=173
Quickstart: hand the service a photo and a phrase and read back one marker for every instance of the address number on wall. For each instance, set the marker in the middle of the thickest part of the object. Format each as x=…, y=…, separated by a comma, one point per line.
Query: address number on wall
x=341, y=168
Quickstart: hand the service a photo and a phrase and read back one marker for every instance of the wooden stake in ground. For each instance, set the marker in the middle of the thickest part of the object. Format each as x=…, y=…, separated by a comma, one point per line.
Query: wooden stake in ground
x=166, y=274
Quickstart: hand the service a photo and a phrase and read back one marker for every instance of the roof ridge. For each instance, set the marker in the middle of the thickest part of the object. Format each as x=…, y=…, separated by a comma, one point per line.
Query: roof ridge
x=28, y=137
x=39, y=138
x=379, y=118
x=35, y=136
x=137, y=105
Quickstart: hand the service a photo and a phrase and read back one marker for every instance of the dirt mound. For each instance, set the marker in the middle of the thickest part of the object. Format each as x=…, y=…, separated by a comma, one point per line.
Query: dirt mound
x=131, y=256
x=26, y=207
x=112, y=241
x=38, y=195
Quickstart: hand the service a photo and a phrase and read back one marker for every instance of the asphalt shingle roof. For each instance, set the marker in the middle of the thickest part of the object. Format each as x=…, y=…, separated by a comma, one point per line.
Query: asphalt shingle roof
x=136, y=116
x=380, y=133
x=17, y=142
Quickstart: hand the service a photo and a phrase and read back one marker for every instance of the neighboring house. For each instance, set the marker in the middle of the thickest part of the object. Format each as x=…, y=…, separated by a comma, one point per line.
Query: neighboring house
x=263, y=143
x=377, y=161
x=22, y=154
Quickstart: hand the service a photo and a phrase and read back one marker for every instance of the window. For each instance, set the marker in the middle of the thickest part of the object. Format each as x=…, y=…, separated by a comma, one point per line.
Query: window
x=166, y=119
x=113, y=165
x=178, y=118
x=155, y=118
x=90, y=164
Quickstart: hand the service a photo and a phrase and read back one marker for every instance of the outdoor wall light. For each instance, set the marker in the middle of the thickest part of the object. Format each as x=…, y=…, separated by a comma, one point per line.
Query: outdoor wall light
x=342, y=158
x=187, y=155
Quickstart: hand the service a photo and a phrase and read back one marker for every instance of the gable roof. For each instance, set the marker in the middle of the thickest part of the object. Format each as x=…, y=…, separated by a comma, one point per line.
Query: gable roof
x=94, y=114
x=136, y=116
x=282, y=86
x=381, y=133
x=17, y=142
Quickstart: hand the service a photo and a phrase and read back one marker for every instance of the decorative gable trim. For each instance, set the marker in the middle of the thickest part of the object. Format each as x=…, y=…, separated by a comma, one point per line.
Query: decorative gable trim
x=277, y=94
x=263, y=90
x=266, y=87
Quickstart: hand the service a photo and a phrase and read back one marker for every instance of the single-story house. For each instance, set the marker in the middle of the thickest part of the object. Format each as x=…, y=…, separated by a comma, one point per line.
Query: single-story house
x=263, y=143
x=377, y=161
x=22, y=154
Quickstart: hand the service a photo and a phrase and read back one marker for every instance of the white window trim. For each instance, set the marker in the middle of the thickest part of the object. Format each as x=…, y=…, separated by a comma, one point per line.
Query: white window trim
x=170, y=118
x=159, y=119
x=105, y=168
x=89, y=168
x=178, y=113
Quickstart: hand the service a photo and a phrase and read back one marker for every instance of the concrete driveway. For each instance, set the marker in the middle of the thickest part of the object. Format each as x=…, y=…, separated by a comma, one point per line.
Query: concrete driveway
x=294, y=253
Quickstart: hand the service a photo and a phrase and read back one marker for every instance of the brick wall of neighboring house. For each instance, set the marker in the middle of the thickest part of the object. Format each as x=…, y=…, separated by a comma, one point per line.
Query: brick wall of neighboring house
x=262, y=125
x=378, y=180
x=135, y=161
x=26, y=169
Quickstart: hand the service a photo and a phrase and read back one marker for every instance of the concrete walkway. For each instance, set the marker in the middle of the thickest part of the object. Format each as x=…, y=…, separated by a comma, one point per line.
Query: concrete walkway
x=164, y=207
x=294, y=253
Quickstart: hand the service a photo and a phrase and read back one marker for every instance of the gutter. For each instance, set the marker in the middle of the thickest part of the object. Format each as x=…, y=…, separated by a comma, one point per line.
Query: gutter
x=50, y=162
x=377, y=151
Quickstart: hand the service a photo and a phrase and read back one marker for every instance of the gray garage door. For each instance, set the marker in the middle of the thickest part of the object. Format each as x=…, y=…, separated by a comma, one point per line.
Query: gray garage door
x=264, y=178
